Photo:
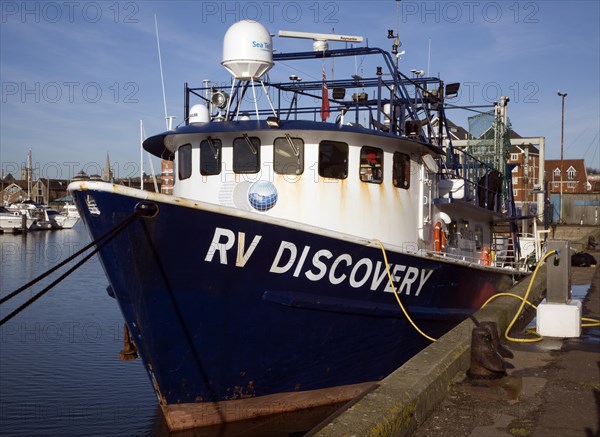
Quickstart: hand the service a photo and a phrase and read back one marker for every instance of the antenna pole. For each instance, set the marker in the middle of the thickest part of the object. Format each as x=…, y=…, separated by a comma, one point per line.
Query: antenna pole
x=162, y=80
x=333, y=58
x=151, y=164
x=153, y=174
x=428, y=57
x=141, y=155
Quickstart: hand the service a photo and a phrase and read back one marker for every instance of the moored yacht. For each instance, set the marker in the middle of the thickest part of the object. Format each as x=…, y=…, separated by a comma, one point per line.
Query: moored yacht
x=68, y=217
x=14, y=222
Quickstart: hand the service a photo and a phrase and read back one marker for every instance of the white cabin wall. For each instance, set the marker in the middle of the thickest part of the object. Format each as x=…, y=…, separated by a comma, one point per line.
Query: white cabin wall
x=350, y=206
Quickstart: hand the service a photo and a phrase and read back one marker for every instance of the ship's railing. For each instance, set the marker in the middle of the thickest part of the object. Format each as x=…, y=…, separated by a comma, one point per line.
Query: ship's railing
x=390, y=101
x=471, y=180
x=501, y=259
x=383, y=113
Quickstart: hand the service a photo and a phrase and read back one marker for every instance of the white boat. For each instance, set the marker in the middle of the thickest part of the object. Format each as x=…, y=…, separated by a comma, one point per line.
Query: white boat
x=11, y=221
x=68, y=217
x=44, y=217
x=54, y=217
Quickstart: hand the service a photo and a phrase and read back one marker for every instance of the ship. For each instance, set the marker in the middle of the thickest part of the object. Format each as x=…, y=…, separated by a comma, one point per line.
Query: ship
x=320, y=232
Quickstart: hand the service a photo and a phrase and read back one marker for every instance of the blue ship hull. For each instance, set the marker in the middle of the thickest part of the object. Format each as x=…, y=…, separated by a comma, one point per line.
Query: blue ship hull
x=224, y=305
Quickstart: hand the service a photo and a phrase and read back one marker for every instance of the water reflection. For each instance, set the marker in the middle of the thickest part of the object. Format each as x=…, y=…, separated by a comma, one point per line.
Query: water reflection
x=60, y=372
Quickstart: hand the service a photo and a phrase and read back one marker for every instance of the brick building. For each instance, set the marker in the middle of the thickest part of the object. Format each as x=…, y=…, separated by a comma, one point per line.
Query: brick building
x=167, y=180
x=525, y=176
x=574, y=176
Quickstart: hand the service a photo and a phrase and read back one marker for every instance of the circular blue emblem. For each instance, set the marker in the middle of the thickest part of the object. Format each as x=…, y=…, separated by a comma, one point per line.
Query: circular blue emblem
x=262, y=195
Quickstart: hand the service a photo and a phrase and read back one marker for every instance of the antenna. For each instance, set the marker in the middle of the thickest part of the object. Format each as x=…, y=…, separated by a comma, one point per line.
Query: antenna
x=168, y=120
x=319, y=36
x=429, y=56
x=247, y=55
x=397, y=43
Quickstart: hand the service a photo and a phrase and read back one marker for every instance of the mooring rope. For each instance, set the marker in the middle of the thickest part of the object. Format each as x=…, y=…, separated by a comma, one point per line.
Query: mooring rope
x=58, y=266
x=141, y=209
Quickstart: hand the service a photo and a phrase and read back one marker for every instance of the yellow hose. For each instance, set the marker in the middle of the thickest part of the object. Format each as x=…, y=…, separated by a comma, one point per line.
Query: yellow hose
x=387, y=268
x=591, y=322
x=524, y=301
x=508, y=295
x=514, y=320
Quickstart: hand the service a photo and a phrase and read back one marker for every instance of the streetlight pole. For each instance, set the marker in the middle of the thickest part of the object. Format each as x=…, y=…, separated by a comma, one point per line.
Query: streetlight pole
x=562, y=139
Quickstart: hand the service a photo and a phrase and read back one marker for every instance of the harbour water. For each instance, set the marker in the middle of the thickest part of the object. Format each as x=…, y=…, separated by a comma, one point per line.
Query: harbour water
x=60, y=372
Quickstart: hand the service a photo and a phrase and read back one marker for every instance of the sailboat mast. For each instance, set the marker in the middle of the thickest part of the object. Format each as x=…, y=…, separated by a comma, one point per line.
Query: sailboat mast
x=29, y=174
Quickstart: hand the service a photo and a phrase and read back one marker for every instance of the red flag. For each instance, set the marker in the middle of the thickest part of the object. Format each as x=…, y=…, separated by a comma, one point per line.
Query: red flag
x=325, y=99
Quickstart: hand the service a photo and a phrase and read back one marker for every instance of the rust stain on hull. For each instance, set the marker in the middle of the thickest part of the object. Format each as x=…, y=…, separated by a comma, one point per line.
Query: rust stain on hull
x=187, y=416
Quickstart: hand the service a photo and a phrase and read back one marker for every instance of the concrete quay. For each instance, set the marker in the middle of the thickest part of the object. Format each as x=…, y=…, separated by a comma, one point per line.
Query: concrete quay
x=553, y=390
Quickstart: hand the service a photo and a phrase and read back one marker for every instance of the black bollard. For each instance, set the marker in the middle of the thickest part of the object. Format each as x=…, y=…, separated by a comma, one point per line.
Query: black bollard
x=486, y=362
x=502, y=350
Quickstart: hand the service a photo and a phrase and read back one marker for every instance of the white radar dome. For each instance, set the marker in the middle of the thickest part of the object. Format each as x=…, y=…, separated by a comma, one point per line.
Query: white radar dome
x=247, y=50
x=198, y=114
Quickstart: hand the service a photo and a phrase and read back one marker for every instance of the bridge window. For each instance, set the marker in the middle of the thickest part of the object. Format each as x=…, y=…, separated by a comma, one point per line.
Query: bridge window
x=478, y=237
x=210, y=157
x=333, y=159
x=401, y=170
x=246, y=154
x=184, y=158
x=288, y=155
x=371, y=165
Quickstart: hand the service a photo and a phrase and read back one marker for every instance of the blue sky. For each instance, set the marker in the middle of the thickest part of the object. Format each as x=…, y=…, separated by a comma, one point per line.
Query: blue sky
x=77, y=77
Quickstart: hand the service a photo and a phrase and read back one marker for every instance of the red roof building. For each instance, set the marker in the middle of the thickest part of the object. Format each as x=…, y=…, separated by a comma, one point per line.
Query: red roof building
x=574, y=176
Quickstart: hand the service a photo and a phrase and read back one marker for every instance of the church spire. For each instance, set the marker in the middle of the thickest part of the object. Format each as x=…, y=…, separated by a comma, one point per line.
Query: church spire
x=107, y=174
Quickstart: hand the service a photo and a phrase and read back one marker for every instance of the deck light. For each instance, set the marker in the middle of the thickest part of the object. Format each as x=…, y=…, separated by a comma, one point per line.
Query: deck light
x=219, y=99
x=452, y=89
x=339, y=93
x=273, y=122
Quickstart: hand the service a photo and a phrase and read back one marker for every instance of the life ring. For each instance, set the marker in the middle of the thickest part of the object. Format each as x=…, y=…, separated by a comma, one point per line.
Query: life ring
x=439, y=238
x=486, y=256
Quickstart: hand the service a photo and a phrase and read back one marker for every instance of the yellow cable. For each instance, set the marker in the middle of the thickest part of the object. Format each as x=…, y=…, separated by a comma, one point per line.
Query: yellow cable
x=509, y=295
x=524, y=301
x=514, y=320
x=387, y=268
x=592, y=322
